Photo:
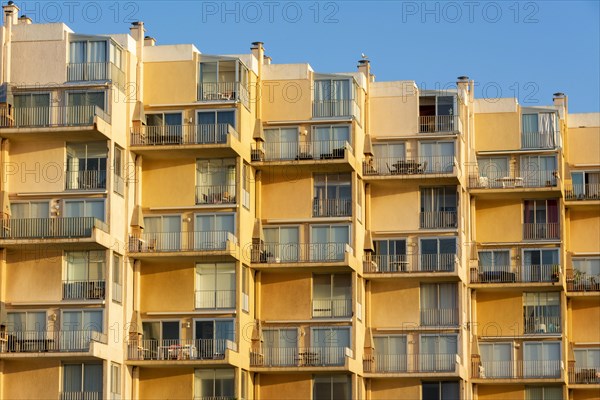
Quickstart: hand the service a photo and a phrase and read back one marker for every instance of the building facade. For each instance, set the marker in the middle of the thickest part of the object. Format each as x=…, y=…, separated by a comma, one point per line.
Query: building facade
x=183, y=225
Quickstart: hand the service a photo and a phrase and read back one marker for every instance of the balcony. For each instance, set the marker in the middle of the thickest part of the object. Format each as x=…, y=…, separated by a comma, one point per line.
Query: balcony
x=438, y=220
x=293, y=253
x=300, y=357
x=549, y=273
x=517, y=180
x=404, y=168
x=440, y=124
x=541, y=231
x=410, y=363
x=542, y=325
x=223, y=92
x=410, y=263
x=302, y=151
x=516, y=369
x=215, y=299
x=52, y=117
x=51, y=228
x=587, y=191
x=538, y=140
x=50, y=341
x=81, y=395
x=581, y=282
x=95, y=71
x=178, y=135
x=85, y=180
x=583, y=376
x=439, y=316
x=332, y=308
x=179, y=349
x=84, y=290
x=343, y=108
x=215, y=194
x=174, y=242
x=332, y=207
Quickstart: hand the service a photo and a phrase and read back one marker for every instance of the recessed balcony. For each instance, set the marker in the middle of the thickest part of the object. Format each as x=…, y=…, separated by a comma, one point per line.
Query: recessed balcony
x=83, y=289
x=49, y=341
x=439, y=363
x=223, y=92
x=152, y=350
x=310, y=151
x=541, y=231
x=521, y=274
x=215, y=194
x=158, y=244
x=336, y=108
x=297, y=253
x=410, y=263
x=438, y=220
x=179, y=135
x=440, y=124
x=95, y=71
x=579, y=192
x=332, y=207
x=300, y=357
x=414, y=167
x=516, y=369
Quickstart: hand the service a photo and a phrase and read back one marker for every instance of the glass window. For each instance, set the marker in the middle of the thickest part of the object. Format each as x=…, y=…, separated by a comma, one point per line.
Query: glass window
x=332, y=387
x=541, y=265
x=83, y=377
x=438, y=352
x=437, y=156
x=541, y=359
x=332, y=195
x=84, y=266
x=26, y=321
x=33, y=209
x=32, y=109
x=543, y=393
x=332, y=295
x=329, y=141
x=541, y=312
x=281, y=243
x=440, y=391
x=115, y=378
x=212, y=231
x=438, y=254
x=280, y=346
x=390, y=255
x=497, y=360
x=84, y=208
x=215, y=285
x=215, y=181
x=439, y=304
x=439, y=207
x=328, y=242
x=214, y=383
x=282, y=144
x=390, y=353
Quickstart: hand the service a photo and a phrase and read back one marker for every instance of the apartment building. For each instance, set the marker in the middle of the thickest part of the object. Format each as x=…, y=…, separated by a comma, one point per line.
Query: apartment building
x=184, y=225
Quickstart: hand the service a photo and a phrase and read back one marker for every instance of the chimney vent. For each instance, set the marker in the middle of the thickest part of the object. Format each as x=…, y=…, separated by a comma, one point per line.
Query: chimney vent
x=463, y=78
x=149, y=41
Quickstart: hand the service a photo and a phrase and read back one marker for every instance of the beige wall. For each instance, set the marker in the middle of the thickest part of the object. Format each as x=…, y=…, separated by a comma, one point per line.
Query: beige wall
x=398, y=292
x=405, y=217
x=394, y=116
x=35, y=274
x=490, y=127
x=169, y=183
x=170, y=82
x=491, y=322
x=393, y=389
x=583, y=312
x=287, y=100
x=489, y=392
x=288, y=386
x=583, y=145
x=499, y=220
x=167, y=286
x=287, y=193
x=167, y=383
x=293, y=294
x=584, y=231
x=43, y=377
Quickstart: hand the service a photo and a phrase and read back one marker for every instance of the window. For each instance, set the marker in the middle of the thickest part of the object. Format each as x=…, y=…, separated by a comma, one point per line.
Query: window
x=333, y=195
x=215, y=181
x=244, y=385
x=246, y=180
x=541, y=312
x=541, y=359
x=31, y=209
x=587, y=365
x=212, y=336
x=26, y=321
x=586, y=273
x=329, y=345
x=119, y=183
x=84, y=209
x=328, y=242
x=164, y=128
x=163, y=232
x=32, y=109
x=115, y=380
x=80, y=327
x=213, y=231
x=437, y=156
x=280, y=347
x=282, y=243
x=332, y=295
x=539, y=130
x=213, y=126
x=219, y=80
x=83, y=51
x=282, y=144
x=538, y=171
x=117, y=278
x=543, y=393
x=83, y=106
x=438, y=207
x=391, y=152
x=245, y=288
x=541, y=219
x=162, y=334
x=494, y=265
x=215, y=286
x=333, y=98
x=586, y=185
x=436, y=113
x=390, y=353
x=359, y=199
x=82, y=380
x=390, y=255
x=84, y=276
x=86, y=165
x=359, y=297
x=491, y=169
x=214, y=384
x=438, y=353
x=440, y=391
x=439, y=304
x=497, y=360
x=332, y=387
x=541, y=265
x=330, y=141
x=438, y=254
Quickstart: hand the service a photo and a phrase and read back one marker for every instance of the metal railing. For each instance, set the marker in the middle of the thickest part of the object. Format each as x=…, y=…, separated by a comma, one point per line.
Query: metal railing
x=179, y=349
x=516, y=274
x=299, y=356
x=406, y=263
x=439, y=123
x=410, y=363
x=542, y=325
x=85, y=180
x=525, y=178
x=95, y=71
x=584, y=375
x=312, y=150
x=50, y=341
x=439, y=316
x=180, y=241
x=51, y=228
x=581, y=191
x=332, y=308
x=215, y=299
x=83, y=290
x=53, y=116
x=118, y=184
x=168, y=135
x=438, y=219
x=336, y=108
x=385, y=166
x=538, y=140
x=340, y=207
x=541, y=231
x=299, y=252
x=215, y=194
x=516, y=369
x=223, y=91
x=81, y=395
x=578, y=281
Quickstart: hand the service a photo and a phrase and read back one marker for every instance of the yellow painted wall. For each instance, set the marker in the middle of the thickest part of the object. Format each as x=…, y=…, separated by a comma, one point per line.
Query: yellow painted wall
x=590, y=394
x=167, y=286
x=167, y=383
x=583, y=312
x=43, y=377
x=286, y=100
x=36, y=166
x=499, y=313
x=292, y=293
x=384, y=293
x=405, y=217
x=499, y=221
x=287, y=193
x=34, y=275
x=393, y=389
x=583, y=145
x=169, y=182
x=277, y=387
x=487, y=392
x=584, y=231
x=170, y=82
x=498, y=131
x=394, y=116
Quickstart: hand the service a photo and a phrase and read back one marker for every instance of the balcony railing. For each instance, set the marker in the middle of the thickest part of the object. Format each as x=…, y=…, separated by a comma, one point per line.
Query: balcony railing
x=385, y=166
x=584, y=375
x=179, y=349
x=410, y=363
x=332, y=207
x=52, y=116
x=517, y=369
x=438, y=219
x=517, y=274
x=180, y=241
x=542, y=325
x=336, y=108
x=223, y=91
x=580, y=191
x=537, y=140
x=300, y=357
x=299, y=252
x=541, y=231
x=51, y=228
x=81, y=395
x=50, y=341
x=313, y=150
x=406, y=263
x=439, y=316
x=170, y=135
x=85, y=180
x=84, y=290
x=95, y=71
x=215, y=299
x=530, y=178
x=582, y=282
x=332, y=308
x=215, y=194
x=439, y=124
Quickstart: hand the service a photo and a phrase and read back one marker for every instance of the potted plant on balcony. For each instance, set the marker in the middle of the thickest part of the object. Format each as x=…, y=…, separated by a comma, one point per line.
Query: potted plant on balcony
x=555, y=273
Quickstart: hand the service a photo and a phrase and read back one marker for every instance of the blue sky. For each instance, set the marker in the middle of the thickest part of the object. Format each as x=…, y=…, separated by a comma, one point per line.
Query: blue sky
x=525, y=49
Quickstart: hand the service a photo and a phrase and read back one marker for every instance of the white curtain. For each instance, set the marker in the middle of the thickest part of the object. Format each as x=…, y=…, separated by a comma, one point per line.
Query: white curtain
x=77, y=52
x=547, y=129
